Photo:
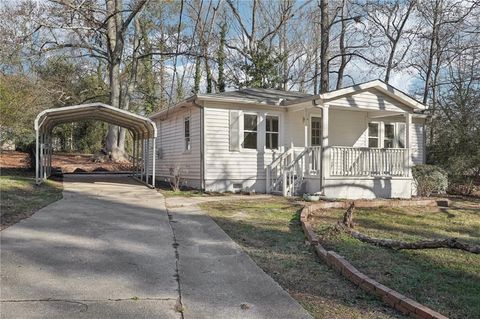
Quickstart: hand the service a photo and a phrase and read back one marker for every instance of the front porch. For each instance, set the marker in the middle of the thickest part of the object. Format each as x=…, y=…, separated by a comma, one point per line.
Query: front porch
x=363, y=153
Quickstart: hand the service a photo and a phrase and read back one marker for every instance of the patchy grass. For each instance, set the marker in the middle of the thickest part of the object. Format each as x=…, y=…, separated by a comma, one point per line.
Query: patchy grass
x=167, y=191
x=269, y=231
x=182, y=193
x=446, y=280
x=20, y=197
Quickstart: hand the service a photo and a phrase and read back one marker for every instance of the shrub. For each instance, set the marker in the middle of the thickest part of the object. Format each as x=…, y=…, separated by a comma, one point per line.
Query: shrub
x=429, y=179
x=464, y=185
x=175, y=178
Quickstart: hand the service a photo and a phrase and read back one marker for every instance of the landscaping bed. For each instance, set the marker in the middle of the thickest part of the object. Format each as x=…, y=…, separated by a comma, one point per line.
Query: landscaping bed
x=445, y=280
x=269, y=231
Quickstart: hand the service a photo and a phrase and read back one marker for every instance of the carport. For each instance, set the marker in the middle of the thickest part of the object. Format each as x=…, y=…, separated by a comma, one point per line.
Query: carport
x=142, y=130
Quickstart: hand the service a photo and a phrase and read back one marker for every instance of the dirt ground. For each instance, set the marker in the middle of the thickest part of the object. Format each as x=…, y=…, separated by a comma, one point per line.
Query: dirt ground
x=69, y=163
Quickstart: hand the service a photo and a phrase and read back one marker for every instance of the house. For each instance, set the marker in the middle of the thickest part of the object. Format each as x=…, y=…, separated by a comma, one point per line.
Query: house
x=356, y=142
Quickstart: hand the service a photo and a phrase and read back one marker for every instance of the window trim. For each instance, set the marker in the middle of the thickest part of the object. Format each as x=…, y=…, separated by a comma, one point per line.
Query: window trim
x=319, y=116
x=242, y=131
x=187, y=146
x=393, y=139
x=381, y=133
x=272, y=132
x=378, y=137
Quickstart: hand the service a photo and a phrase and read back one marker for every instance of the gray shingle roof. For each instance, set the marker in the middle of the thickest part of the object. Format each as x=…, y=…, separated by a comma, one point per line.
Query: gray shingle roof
x=268, y=96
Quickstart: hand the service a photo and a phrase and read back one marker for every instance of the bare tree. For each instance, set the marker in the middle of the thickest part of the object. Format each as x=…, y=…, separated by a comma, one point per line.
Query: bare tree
x=389, y=21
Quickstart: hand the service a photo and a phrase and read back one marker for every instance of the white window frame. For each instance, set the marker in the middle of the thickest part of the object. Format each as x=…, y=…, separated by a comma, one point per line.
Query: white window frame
x=381, y=133
x=277, y=116
x=187, y=140
x=242, y=131
x=378, y=137
x=384, y=137
x=310, y=136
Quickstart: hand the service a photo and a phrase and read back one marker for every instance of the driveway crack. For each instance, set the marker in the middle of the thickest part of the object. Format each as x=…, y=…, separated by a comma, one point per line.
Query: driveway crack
x=179, y=305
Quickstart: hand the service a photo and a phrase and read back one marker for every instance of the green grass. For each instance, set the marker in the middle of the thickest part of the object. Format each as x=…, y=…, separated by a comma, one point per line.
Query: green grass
x=20, y=197
x=269, y=231
x=445, y=280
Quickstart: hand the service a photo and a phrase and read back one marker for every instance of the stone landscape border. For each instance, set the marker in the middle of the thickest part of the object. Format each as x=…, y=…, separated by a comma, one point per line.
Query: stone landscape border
x=396, y=300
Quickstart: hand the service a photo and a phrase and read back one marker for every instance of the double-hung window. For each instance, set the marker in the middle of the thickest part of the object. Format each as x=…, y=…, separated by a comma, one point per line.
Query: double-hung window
x=389, y=135
x=373, y=134
x=250, y=129
x=386, y=135
x=187, y=133
x=271, y=134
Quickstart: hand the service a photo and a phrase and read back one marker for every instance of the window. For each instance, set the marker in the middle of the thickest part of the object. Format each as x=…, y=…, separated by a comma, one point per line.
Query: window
x=388, y=140
x=316, y=131
x=271, y=135
x=373, y=134
x=187, y=133
x=401, y=135
x=249, y=131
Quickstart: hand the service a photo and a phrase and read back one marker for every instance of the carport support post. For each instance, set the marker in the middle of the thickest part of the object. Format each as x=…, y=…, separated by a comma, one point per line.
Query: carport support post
x=133, y=155
x=147, y=157
x=153, y=162
x=37, y=148
x=143, y=159
x=50, y=151
x=137, y=154
x=42, y=160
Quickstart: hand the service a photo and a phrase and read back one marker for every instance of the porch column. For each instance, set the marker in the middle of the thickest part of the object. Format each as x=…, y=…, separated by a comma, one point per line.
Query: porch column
x=407, y=159
x=305, y=124
x=325, y=150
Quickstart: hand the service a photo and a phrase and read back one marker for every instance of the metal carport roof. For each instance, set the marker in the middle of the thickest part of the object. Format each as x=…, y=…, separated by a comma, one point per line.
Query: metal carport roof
x=139, y=125
x=143, y=129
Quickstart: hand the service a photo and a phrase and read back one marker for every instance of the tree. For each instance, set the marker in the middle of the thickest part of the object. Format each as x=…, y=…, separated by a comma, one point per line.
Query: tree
x=221, y=58
x=389, y=21
x=94, y=31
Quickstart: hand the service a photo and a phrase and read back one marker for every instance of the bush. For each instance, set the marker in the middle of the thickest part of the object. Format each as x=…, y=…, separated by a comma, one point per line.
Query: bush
x=430, y=179
x=464, y=185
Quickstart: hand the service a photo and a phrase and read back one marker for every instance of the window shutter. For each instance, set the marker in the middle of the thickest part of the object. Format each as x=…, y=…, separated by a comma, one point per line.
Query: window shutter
x=234, y=134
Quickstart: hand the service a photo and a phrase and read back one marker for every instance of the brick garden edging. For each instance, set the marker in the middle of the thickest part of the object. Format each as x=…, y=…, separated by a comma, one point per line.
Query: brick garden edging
x=396, y=300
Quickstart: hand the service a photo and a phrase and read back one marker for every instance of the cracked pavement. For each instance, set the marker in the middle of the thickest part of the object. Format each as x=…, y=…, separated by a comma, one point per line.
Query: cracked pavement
x=110, y=249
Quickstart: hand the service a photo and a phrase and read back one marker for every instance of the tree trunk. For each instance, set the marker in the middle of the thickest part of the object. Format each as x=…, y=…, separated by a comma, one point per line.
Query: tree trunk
x=324, y=46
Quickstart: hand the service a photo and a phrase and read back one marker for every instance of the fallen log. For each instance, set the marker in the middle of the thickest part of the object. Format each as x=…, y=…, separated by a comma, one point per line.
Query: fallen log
x=453, y=243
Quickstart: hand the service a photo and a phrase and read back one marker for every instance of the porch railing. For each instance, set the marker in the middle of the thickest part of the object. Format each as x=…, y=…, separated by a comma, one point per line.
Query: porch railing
x=276, y=168
x=359, y=161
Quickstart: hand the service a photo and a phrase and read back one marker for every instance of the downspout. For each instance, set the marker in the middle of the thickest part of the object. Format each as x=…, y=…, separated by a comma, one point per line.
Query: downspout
x=202, y=143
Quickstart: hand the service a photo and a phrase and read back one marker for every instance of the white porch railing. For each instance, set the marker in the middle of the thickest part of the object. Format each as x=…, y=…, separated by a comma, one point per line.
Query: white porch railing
x=286, y=174
x=356, y=161
x=276, y=168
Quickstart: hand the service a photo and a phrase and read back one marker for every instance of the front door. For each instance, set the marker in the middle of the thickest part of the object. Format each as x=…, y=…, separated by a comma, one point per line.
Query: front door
x=316, y=131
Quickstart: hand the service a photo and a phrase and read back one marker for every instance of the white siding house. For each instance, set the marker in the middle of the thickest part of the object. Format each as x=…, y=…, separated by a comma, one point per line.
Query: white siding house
x=357, y=142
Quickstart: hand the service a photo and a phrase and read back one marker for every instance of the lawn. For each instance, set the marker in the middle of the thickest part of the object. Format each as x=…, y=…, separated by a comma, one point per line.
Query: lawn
x=269, y=231
x=445, y=280
x=20, y=197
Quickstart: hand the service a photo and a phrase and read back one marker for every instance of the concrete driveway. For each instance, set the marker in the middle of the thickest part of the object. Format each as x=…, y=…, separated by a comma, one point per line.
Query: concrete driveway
x=110, y=249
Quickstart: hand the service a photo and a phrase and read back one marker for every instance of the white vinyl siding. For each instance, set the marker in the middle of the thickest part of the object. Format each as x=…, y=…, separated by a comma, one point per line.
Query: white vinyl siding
x=417, y=143
x=370, y=99
x=223, y=168
x=347, y=128
x=171, y=146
